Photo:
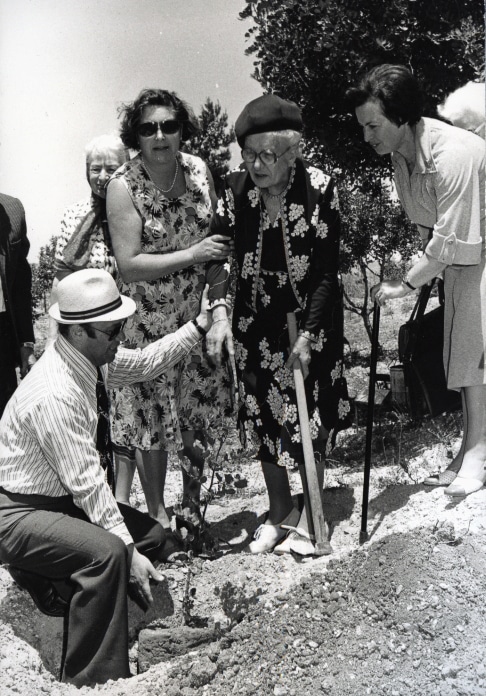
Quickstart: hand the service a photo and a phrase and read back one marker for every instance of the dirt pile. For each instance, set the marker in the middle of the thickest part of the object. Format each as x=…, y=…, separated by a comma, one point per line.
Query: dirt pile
x=404, y=614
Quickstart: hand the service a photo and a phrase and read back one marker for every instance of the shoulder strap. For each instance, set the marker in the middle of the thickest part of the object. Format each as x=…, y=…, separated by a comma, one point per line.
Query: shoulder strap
x=424, y=296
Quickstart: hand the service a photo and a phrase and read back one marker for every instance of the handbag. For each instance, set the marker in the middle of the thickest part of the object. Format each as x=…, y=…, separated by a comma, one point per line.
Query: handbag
x=420, y=348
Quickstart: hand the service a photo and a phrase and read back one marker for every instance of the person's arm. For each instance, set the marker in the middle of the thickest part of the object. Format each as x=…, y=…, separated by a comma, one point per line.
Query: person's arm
x=125, y=225
x=141, y=572
x=144, y=364
x=458, y=189
x=323, y=283
x=212, y=189
x=22, y=300
x=218, y=277
x=456, y=236
x=422, y=272
x=62, y=429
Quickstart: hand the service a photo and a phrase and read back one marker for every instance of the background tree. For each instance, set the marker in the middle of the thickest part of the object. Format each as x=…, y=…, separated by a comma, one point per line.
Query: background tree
x=378, y=241
x=311, y=51
x=213, y=140
x=43, y=273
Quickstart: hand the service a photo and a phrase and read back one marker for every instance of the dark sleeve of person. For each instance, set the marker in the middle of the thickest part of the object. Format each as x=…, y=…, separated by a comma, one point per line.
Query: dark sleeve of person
x=323, y=286
x=217, y=272
x=21, y=281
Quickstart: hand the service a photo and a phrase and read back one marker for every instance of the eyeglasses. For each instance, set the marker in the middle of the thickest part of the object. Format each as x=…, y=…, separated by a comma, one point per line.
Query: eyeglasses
x=115, y=331
x=265, y=156
x=150, y=128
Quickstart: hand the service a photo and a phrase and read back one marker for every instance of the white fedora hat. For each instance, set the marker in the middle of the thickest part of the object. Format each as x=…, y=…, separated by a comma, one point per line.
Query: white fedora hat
x=90, y=295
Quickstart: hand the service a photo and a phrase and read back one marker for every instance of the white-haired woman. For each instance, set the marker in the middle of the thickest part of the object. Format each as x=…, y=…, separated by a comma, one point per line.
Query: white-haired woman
x=84, y=241
x=465, y=108
x=283, y=216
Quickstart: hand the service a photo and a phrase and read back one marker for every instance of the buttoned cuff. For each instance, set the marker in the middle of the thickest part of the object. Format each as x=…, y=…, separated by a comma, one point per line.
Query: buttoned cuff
x=218, y=303
x=451, y=250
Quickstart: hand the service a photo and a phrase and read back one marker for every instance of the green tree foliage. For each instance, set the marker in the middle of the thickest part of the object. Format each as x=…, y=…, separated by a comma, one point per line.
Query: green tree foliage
x=213, y=140
x=43, y=273
x=311, y=51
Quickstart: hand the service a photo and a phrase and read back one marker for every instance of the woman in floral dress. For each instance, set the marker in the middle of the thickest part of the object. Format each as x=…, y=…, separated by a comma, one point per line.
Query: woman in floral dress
x=283, y=215
x=159, y=207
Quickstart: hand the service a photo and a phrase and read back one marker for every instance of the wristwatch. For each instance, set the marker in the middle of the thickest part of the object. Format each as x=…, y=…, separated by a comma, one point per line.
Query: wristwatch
x=408, y=284
x=202, y=331
x=28, y=344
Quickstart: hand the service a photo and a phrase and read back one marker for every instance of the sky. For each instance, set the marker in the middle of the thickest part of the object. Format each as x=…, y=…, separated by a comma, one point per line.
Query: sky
x=66, y=65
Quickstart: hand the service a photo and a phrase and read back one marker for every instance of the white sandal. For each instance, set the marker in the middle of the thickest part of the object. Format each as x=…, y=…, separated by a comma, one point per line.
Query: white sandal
x=267, y=536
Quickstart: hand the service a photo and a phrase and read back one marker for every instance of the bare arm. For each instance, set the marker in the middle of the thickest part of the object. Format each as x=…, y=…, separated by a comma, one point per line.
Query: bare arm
x=125, y=227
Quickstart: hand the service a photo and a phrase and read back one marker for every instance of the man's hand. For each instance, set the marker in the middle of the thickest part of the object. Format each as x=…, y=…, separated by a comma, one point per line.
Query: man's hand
x=204, y=317
x=388, y=290
x=27, y=359
x=141, y=572
x=219, y=334
x=301, y=350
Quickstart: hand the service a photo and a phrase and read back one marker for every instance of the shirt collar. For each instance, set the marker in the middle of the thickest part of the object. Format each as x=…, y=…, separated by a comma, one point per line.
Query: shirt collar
x=79, y=364
x=424, y=160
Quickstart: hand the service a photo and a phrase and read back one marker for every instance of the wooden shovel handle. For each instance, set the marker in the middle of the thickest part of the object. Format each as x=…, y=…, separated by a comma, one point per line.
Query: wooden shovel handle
x=316, y=512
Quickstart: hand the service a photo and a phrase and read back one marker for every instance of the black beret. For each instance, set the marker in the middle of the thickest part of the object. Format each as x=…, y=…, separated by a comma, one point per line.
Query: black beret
x=267, y=113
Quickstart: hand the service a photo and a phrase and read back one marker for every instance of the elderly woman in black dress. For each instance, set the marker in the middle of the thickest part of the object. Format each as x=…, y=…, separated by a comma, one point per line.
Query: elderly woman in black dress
x=283, y=216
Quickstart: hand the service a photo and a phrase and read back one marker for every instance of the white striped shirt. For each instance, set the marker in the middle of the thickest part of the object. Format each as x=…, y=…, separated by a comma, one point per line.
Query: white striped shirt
x=48, y=429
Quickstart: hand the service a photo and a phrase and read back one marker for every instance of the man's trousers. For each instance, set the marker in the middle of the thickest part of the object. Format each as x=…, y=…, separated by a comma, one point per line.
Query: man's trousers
x=54, y=538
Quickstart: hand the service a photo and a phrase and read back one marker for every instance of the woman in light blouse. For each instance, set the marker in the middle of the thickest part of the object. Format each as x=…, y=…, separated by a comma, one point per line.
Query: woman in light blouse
x=439, y=176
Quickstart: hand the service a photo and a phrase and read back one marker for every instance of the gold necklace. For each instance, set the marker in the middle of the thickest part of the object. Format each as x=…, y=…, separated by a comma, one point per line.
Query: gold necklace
x=156, y=185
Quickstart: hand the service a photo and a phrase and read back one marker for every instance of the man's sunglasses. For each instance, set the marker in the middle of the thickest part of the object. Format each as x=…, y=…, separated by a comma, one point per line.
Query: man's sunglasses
x=150, y=128
x=115, y=331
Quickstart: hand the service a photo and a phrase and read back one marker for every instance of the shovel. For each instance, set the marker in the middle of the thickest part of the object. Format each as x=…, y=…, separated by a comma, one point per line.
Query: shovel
x=315, y=515
x=363, y=535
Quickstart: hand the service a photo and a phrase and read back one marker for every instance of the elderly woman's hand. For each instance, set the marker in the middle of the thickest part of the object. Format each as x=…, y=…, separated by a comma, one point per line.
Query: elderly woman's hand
x=388, y=290
x=213, y=248
x=219, y=334
x=302, y=351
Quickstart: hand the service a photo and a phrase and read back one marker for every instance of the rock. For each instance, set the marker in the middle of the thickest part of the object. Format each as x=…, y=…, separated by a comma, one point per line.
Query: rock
x=202, y=672
x=161, y=644
x=450, y=670
x=162, y=607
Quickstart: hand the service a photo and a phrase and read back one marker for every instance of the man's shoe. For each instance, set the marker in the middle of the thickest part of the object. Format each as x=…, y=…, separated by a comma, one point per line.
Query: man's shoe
x=42, y=590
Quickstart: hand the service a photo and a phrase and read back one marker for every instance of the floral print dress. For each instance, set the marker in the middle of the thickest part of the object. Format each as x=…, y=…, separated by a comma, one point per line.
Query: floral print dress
x=191, y=395
x=288, y=266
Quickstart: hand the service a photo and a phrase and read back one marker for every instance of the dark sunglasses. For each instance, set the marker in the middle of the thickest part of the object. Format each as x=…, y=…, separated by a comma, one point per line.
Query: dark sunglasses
x=150, y=128
x=115, y=331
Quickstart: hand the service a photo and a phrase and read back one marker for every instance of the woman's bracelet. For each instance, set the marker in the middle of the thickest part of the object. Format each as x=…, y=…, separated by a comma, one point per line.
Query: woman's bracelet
x=218, y=303
x=194, y=254
x=215, y=321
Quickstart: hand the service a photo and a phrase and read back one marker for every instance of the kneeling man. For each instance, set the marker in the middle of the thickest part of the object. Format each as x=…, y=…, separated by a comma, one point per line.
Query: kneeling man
x=62, y=533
